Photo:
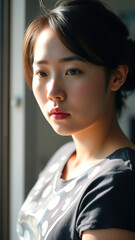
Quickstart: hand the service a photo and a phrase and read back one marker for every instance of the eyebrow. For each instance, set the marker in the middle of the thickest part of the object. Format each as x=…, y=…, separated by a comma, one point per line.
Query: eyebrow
x=66, y=59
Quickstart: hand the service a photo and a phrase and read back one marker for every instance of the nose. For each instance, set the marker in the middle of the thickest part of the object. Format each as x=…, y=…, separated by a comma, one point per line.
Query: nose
x=55, y=91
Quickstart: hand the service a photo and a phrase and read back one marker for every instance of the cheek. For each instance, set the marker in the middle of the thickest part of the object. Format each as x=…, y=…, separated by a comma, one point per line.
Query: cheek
x=88, y=92
x=39, y=92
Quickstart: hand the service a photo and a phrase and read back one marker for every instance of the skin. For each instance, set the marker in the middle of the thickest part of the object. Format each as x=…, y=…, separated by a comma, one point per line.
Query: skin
x=62, y=80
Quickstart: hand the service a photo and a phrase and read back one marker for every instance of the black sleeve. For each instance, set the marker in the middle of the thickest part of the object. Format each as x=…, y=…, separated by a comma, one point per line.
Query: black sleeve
x=109, y=202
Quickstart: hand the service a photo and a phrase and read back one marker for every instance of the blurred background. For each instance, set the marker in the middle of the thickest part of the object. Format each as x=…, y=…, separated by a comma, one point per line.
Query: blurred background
x=26, y=140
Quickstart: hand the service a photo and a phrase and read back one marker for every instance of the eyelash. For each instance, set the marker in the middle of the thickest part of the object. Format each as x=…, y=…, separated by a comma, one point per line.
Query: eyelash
x=39, y=74
x=75, y=71
x=42, y=74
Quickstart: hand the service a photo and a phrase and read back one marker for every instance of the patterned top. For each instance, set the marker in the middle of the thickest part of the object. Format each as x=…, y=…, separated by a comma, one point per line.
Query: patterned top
x=102, y=197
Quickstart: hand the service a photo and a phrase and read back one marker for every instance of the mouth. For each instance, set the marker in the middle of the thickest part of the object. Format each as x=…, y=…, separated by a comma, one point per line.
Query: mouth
x=58, y=114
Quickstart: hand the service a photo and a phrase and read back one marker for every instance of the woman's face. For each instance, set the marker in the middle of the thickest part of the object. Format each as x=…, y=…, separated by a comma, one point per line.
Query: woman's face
x=70, y=91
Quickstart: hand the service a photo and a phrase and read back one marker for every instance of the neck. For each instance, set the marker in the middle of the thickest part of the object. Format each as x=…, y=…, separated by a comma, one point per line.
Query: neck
x=100, y=139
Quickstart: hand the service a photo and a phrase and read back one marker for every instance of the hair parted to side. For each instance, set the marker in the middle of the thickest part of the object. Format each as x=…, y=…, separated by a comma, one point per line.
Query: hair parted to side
x=90, y=30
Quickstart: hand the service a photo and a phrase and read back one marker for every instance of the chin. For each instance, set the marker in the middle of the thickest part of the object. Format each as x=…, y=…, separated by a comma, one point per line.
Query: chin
x=62, y=132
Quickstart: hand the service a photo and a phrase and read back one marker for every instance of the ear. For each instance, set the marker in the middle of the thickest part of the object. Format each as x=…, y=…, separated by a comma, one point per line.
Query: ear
x=118, y=77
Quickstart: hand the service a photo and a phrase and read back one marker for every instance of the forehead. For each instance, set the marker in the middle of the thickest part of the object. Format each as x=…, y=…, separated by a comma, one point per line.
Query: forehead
x=48, y=46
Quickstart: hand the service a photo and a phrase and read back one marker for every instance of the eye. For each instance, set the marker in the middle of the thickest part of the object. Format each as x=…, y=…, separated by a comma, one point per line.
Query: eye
x=41, y=74
x=72, y=72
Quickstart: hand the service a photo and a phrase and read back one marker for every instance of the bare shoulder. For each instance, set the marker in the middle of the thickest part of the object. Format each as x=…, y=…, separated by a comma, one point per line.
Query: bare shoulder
x=105, y=234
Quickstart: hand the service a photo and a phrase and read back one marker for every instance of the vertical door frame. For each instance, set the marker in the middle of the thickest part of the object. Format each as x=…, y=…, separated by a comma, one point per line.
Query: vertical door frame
x=17, y=113
x=4, y=114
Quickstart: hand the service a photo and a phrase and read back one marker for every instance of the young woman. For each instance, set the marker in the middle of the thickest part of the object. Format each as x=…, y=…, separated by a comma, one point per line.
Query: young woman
x=79, y=63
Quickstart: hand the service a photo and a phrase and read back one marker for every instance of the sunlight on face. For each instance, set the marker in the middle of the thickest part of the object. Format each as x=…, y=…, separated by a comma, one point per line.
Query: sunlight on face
x=69, y=90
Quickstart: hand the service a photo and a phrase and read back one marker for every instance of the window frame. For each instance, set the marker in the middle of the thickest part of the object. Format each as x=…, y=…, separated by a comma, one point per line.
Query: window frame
x=4, y=117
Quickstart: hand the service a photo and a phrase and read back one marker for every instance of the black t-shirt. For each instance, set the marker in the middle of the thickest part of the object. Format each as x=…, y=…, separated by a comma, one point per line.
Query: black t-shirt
x=102, y=197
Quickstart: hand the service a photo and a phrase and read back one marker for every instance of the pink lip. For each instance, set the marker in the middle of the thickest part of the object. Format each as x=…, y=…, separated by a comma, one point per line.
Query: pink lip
x=58, y=114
